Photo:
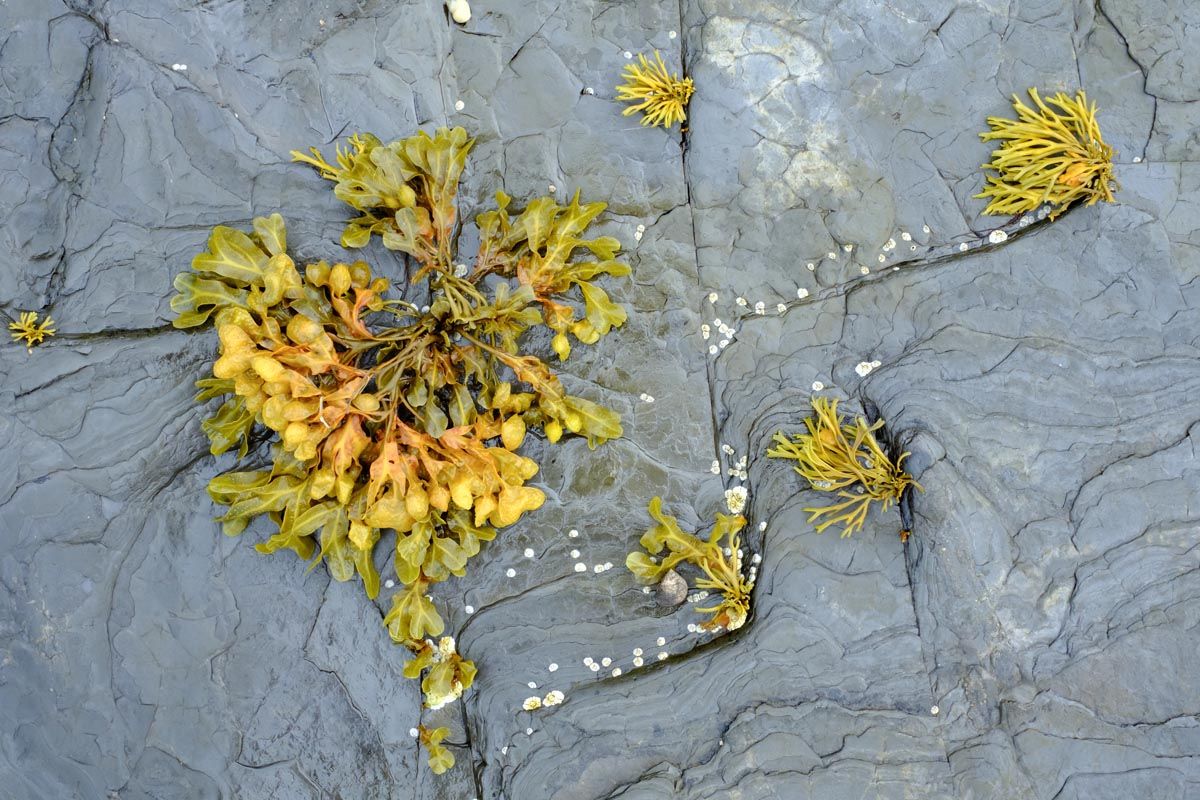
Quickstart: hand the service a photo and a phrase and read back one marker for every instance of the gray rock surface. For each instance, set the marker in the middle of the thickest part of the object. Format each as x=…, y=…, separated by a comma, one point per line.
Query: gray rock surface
x=1047, y=605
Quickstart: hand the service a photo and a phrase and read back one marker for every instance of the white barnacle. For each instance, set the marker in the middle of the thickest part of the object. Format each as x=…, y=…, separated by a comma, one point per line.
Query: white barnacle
x=553, y=698
x=817, y=386
x=735, y=499
x=997, y=236
x=460, y=10
x=532, y=703
x=802, y=293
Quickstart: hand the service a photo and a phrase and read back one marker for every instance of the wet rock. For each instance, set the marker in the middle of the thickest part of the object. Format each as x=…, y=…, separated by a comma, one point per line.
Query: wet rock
x=1045, y=603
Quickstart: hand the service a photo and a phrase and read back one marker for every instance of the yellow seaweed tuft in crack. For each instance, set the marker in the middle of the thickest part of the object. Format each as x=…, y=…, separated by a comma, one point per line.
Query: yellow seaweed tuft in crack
x=660, y=96
x=28, y=330
x=835, y=456
x=1048, y=156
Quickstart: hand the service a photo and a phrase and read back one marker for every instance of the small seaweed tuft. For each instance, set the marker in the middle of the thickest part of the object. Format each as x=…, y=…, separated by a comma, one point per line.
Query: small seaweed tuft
x=27, y=329
x=836, y=456
x=720, y=562
x=1048, y=156
x=661, y=97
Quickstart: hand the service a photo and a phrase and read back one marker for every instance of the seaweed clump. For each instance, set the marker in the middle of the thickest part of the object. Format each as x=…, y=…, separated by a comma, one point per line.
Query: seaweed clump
x=388, y=416
x=846, y=458
x=1048, y=155
x=662, y=97
x=28, y=330
x=719, y=559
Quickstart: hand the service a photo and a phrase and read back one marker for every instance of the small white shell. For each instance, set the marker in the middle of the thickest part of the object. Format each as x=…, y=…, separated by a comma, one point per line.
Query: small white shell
x=460, y=10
